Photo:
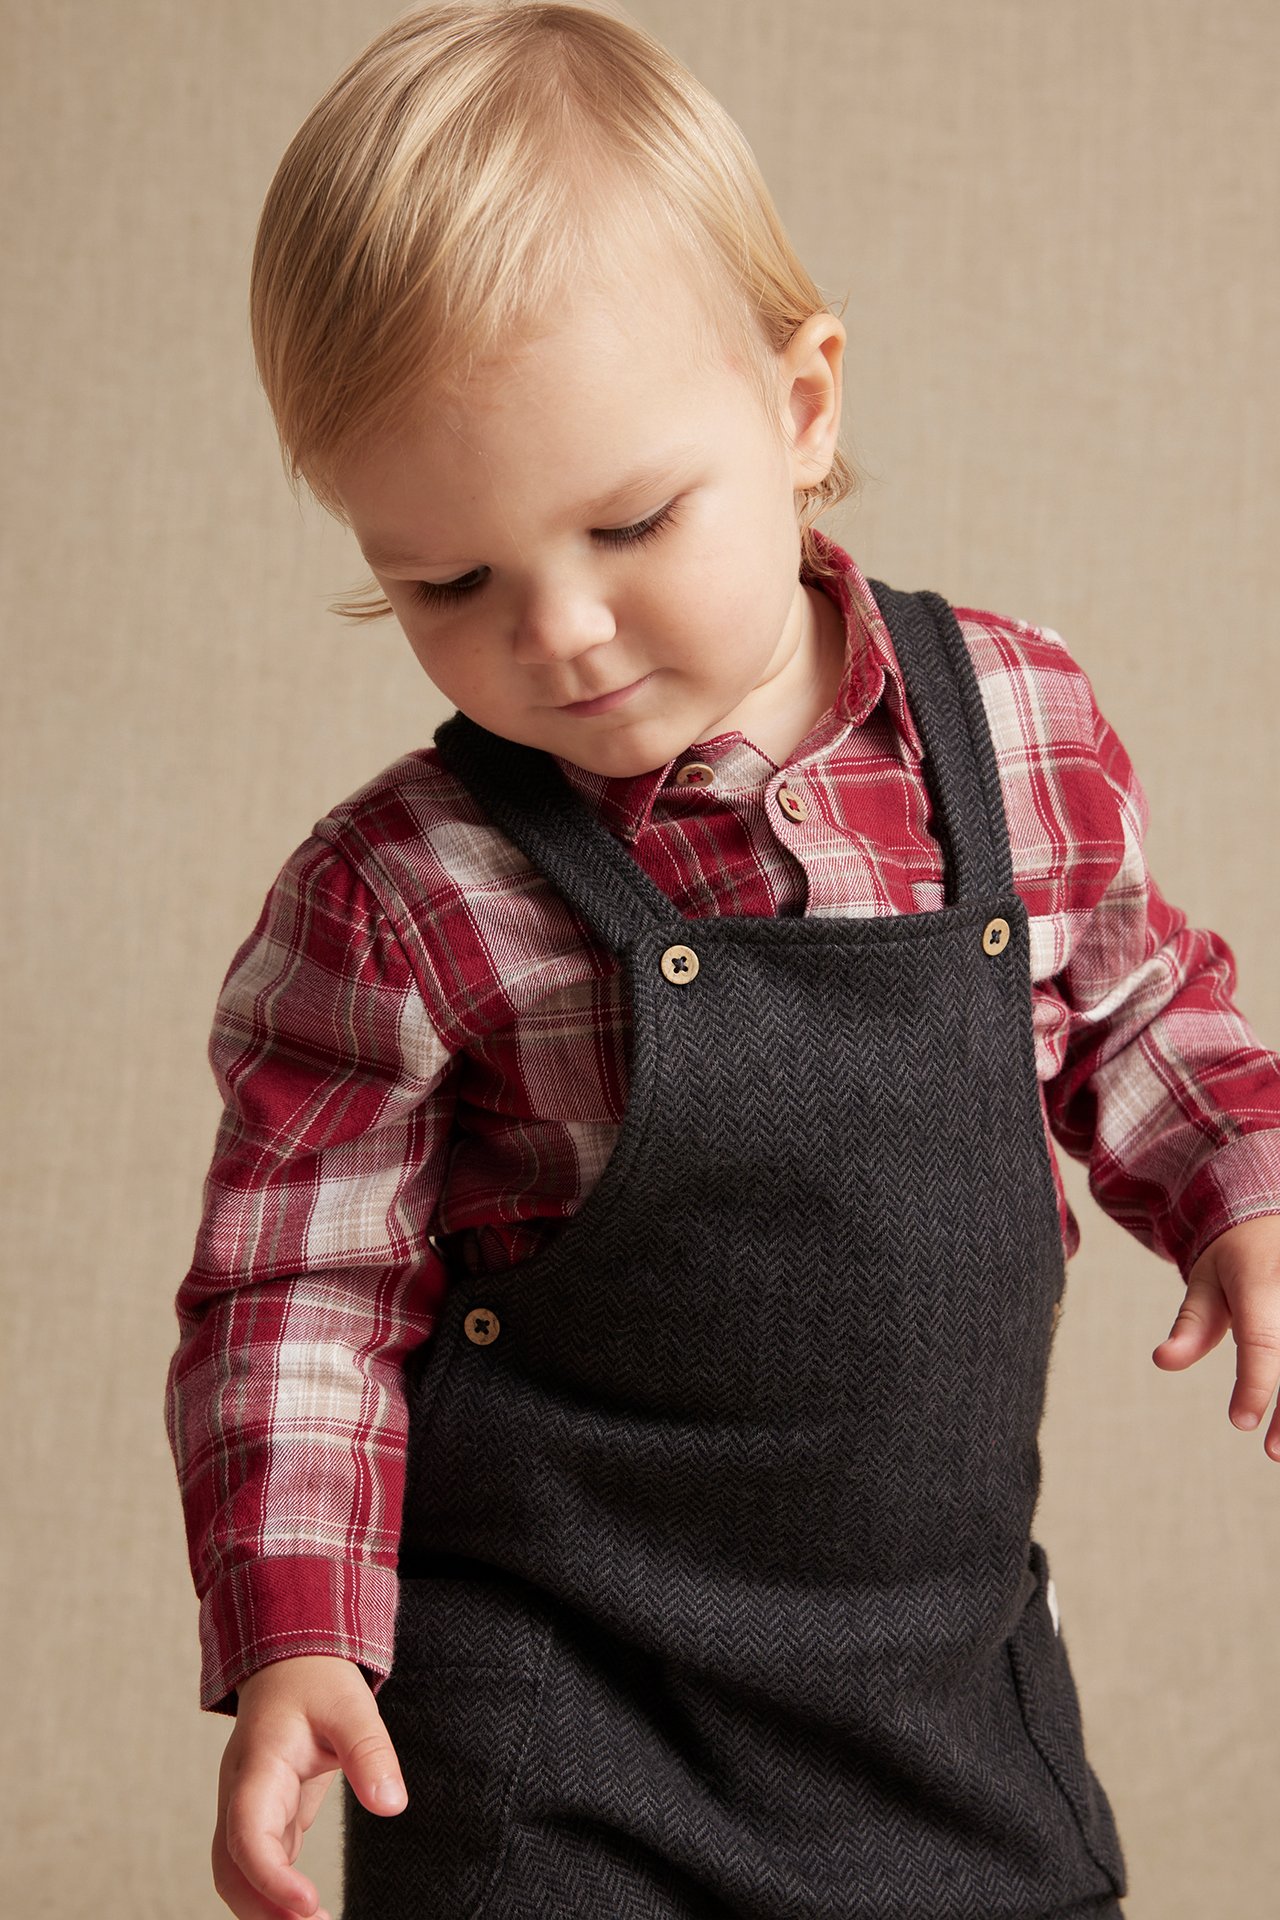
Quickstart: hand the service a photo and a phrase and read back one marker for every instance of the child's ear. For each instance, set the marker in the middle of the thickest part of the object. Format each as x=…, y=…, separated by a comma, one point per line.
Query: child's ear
x=812, y=362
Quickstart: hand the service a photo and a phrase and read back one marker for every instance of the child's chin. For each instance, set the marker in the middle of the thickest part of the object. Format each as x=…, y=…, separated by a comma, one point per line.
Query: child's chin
x=617, y=750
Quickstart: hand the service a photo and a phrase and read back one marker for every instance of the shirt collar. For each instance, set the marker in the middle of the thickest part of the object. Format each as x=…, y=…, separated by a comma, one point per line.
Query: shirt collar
x=624, y=804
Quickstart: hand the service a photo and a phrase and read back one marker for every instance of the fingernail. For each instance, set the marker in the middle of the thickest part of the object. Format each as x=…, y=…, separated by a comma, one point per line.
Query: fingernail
x=1246, y=1419
x=390, y=1793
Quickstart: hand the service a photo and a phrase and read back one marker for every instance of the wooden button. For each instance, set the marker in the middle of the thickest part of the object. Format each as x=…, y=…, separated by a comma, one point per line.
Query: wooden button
x=791, y=803
x=695, y=774
x=679, y=965
x=995, y=936
x=481, y=1325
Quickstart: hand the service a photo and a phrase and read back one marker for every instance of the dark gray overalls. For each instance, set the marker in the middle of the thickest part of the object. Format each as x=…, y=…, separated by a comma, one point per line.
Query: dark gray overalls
x=719, y=1596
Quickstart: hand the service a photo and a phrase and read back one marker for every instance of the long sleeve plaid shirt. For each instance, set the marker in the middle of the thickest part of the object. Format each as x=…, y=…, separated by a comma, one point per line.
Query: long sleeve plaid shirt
x=423, y=1059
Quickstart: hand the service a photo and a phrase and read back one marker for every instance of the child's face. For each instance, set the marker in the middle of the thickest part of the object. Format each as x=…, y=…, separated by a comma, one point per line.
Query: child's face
x=502, y=493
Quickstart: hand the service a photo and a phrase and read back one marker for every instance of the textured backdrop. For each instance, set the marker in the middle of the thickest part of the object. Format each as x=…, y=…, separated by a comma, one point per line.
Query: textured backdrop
x=1056, y=226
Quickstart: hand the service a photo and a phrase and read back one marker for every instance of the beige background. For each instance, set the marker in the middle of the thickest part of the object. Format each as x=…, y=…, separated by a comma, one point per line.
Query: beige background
x=1057, y=223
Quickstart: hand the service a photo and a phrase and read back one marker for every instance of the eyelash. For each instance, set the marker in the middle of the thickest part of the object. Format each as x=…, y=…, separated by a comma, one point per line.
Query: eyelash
x=445, y=593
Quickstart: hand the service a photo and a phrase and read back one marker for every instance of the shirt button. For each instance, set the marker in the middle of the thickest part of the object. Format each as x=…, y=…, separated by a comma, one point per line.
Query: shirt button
x=995, y=936
x=792, y=803
x=481, y=1325
x=679, y=965
x=696, y=773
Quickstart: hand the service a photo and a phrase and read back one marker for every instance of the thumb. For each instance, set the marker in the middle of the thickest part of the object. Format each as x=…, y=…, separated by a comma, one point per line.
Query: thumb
x=1200, y=1323
x=358, y=1735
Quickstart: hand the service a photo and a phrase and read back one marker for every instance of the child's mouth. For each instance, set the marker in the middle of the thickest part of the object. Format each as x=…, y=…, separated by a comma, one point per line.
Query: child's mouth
x=604, y=701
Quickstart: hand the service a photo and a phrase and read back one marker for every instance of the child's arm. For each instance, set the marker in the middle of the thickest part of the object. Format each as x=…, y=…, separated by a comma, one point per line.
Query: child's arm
x=1173, y=1102
x=313, y=1278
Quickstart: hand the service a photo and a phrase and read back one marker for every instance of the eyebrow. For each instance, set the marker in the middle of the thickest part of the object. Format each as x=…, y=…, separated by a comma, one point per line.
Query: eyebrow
x=385, y=553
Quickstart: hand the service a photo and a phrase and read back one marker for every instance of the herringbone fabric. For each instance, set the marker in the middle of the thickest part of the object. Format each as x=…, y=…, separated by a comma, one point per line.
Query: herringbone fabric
x=718, y=1591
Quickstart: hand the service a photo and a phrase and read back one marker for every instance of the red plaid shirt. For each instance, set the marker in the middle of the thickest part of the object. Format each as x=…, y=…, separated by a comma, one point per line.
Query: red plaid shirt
x=419, y=1051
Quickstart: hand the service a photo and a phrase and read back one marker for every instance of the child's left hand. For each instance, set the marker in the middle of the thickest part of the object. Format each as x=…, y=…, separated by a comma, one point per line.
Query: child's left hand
x=1235, y=1283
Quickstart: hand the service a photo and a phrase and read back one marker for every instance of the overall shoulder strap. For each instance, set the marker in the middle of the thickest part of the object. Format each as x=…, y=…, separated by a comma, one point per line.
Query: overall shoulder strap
x=524, y=793
x=960, y=762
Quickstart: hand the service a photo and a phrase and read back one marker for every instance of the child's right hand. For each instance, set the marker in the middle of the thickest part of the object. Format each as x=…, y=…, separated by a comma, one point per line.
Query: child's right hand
x=294, y=1719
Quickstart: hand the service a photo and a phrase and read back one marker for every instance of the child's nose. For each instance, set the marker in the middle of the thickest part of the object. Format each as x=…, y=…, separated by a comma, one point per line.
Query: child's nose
x=563, y=620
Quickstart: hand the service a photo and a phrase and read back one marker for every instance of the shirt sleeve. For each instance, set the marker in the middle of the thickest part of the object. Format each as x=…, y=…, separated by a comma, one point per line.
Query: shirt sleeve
x=1165, y=1091
x=313, y=1278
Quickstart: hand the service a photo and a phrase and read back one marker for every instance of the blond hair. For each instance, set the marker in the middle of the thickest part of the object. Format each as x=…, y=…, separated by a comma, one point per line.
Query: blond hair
x=469, y=167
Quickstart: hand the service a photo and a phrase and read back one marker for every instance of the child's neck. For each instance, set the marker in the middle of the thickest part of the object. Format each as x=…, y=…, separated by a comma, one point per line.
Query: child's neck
x=780, y=728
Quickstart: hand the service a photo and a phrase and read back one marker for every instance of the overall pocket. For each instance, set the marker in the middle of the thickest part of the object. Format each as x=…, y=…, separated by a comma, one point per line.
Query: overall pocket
x=1050, y=1707
x=459, y=1706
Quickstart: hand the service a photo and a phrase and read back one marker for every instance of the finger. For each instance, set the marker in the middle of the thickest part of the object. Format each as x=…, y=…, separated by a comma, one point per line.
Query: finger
x=1201, y=1322
x=247, y=1903
x=261, y=1835
x=354, y=1729
x=1257, y=1371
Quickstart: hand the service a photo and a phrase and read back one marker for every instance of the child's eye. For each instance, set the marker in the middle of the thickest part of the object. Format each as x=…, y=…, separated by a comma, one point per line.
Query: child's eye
x=645, y=530
x=444, y=593
x=440, y=595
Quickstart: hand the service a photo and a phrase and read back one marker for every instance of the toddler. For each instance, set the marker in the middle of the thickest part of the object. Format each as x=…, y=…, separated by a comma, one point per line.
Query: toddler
x=610, y=1370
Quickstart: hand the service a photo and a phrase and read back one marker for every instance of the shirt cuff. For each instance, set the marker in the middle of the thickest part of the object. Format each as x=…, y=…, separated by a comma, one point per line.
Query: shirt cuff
x=1237, y=1183
x=269, y=1609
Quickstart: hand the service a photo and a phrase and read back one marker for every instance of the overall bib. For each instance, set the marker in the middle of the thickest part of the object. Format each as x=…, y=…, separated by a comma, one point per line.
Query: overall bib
x=719, y=1599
